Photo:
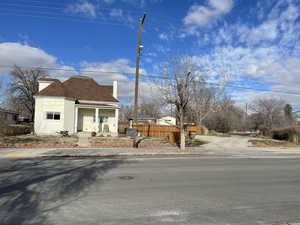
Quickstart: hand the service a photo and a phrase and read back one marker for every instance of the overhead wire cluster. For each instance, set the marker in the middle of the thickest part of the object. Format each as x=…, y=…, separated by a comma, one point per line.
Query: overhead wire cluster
x=58, y=11
x=156, y=77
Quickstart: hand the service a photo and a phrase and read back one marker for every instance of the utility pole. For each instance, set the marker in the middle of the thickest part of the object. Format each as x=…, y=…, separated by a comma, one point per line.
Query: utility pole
x=137, y=71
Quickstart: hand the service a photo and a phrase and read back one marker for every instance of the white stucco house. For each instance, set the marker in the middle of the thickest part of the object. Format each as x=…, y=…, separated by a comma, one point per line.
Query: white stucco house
x=167, y=120
x=78, y=104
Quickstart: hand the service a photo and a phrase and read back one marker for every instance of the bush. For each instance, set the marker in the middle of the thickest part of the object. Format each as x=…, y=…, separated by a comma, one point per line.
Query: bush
x=13, y=130
x=94, y=134
x=222, y=124
x=291, y=134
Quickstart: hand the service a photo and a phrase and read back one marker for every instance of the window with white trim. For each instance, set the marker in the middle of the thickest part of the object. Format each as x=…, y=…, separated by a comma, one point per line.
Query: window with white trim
x=53, y=116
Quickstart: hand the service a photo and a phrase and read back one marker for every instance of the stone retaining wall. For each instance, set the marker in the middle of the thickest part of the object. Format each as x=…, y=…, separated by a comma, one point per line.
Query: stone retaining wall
x=128, y=143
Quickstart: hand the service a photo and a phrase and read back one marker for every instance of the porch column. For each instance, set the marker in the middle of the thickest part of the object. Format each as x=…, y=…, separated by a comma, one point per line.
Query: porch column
x=117, y=120
x=76, y=120
x=97, y=120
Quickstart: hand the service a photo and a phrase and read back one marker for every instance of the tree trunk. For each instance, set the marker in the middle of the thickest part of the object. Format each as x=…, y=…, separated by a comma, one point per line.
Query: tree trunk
x=182, y=133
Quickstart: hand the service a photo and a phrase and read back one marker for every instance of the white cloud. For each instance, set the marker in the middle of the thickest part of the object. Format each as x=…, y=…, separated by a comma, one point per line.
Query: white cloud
x=266, y=31
x=138, y=3
x=12, y=53
x=83, y=7
x=163, y=36
x=104, y=69
x=260, y=67
x=277, y=23
x=116, y=13
x=109, y=1
x=123, y=72
x=199, y=16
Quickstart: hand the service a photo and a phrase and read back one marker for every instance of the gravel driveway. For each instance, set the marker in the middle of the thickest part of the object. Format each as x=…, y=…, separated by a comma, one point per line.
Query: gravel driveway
x=238, y=146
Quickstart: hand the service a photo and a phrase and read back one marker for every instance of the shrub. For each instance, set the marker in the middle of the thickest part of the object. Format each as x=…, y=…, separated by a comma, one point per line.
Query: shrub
x=291, y=134
x=12, y=130
x=94, y=134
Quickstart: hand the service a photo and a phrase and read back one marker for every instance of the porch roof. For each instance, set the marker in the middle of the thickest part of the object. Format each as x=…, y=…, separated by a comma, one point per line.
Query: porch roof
x=100, y=106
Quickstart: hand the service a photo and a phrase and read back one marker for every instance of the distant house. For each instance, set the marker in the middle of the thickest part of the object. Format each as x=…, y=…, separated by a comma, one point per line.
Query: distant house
x=143, y=119
x=78, y=104
x=166, y=120
x=7, y=117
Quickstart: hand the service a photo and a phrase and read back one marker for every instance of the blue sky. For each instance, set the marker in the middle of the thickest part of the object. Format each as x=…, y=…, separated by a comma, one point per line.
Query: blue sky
x=254, y=43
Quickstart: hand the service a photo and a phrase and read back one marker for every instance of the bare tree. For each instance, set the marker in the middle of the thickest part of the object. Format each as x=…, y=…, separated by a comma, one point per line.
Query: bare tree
x=225, y=117
x=206, y=96
x=126, y=112
x=269, y=112
x=204, y=100
x=289, y=114
x=150, y=109
x=23, y=88
x=1, y=93
x=177, y=89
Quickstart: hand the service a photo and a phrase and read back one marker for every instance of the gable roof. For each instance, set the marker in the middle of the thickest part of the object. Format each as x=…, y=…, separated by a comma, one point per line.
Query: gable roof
x=81, y=88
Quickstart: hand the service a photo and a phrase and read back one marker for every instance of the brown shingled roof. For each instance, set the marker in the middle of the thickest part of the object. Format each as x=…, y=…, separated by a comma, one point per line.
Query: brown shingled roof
x=81, y=88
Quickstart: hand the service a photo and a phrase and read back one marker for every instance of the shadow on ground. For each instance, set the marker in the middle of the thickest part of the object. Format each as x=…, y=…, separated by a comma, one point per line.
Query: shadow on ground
x=32, y=188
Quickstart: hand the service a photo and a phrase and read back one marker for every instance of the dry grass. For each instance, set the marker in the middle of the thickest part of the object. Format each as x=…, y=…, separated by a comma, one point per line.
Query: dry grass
x=272, y=143
x=194, y=143
x=38, y=139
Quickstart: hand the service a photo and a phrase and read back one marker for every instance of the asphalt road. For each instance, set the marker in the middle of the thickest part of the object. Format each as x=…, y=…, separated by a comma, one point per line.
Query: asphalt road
x=87, y=191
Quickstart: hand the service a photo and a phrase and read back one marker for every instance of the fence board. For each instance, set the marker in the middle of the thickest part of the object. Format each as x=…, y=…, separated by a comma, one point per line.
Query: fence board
x=152, y=130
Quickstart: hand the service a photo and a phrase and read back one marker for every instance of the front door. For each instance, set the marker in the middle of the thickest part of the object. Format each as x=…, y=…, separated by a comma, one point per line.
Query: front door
x=88, y=120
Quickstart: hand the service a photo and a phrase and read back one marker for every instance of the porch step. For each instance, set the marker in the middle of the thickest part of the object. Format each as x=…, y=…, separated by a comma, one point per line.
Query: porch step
x=84, y=134
x=83, y=141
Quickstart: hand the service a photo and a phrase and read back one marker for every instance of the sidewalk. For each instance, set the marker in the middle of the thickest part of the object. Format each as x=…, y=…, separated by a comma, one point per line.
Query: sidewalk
x=99, y=152
x=206, y=151
x=217, y=147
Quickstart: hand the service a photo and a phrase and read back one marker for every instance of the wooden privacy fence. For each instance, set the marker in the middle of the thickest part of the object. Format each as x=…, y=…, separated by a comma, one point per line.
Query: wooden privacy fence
x=153, y=130
x=172, y=132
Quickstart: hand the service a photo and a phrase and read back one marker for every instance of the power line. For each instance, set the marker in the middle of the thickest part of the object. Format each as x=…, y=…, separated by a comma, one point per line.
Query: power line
x=62, y=17
x=61, y=5
x=254, y=89
x=156, y=76
x=66, y=19
x=83, y=71
x=26, y=9
x=33, y=7
x=56, y=4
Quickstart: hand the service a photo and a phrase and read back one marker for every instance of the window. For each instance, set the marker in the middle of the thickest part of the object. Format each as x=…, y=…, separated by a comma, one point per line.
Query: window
x=103, y=119
x=53, y=116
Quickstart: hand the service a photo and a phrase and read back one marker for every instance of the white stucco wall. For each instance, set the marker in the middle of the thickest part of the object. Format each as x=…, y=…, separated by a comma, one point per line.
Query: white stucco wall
x=66, y=108
x=52, y=104
x=44, y=84
x=69, y=115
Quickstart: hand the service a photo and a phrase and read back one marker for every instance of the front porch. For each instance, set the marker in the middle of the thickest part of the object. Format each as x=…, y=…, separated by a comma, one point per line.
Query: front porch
x=99, y=119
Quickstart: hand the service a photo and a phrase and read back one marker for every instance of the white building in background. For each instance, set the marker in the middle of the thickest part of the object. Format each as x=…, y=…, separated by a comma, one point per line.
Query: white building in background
x=78, y=104
x=166, y=120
